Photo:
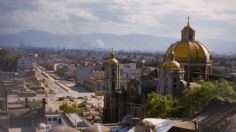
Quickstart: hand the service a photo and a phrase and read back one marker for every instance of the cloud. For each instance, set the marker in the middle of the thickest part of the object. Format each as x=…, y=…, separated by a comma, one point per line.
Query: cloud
x=162, y=17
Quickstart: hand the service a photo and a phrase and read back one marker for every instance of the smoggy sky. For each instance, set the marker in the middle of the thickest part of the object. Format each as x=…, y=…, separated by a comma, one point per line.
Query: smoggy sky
x=210, y=18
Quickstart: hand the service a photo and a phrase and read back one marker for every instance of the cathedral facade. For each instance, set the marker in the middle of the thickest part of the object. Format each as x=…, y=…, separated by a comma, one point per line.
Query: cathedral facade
x=184, y=61
x=119, y=101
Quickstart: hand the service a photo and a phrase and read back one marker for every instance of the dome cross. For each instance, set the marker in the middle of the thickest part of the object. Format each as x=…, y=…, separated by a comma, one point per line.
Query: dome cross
x=188, y=20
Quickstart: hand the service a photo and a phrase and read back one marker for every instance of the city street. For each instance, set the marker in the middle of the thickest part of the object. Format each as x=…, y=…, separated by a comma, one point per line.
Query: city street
x=65, y=91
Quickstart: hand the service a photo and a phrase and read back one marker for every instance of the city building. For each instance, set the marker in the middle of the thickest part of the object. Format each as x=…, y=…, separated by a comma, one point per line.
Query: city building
x=184, y=62
x=7, y=75
x=112, y=105
x=24, y=63
x=191, y=54
x=172, y=77
x=121, y=97
x=4, y=117
x=83, y=72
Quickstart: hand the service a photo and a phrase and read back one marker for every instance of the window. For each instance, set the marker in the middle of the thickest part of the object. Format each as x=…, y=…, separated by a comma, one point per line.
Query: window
x=59, y=121
x=190, y=37
x=49, y=119
x=113, y=85
x=54, y=119
x=135, y=112
x=48, y=127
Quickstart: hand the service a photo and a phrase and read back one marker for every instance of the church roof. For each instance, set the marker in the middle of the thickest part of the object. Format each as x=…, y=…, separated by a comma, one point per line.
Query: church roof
x=218, y=115
x=193, y=51
x=96, y=128
x=112, y=60
x=171, y=65
x=63, y=129
x=187, y=49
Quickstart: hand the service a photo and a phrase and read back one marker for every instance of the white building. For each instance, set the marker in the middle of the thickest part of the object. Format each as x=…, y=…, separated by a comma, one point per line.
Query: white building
x=83, y=72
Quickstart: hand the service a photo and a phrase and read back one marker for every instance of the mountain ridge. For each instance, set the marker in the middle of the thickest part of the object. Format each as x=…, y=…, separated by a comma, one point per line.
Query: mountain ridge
x=135, y=41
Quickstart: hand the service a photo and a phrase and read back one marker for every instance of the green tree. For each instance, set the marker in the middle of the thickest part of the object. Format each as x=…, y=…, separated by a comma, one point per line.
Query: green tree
x=8, y=61
x=159, y=106
x=71, y=108
x=195, y=99
x=190, y=102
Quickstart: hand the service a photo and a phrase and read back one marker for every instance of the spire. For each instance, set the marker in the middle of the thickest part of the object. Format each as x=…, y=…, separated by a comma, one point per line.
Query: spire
x=187, y=33
x=188, y=21
x=172, y=53
x=112, y=53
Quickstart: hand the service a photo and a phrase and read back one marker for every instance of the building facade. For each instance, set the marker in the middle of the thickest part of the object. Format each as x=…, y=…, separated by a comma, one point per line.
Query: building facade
x=111, y=113
x=171, y=77
x=120, y=99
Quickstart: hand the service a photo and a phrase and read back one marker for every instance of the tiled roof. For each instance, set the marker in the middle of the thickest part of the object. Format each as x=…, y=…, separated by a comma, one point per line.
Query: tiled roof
x=217, y=115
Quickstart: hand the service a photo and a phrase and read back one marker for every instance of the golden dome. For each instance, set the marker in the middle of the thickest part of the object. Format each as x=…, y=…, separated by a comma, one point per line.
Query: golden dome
x=192, y=51
x=171, y=65
x=189, y=50
x=112, y=60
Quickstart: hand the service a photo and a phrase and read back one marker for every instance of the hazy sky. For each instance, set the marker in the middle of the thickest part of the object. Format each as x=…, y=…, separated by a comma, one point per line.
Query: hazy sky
x=210, y=18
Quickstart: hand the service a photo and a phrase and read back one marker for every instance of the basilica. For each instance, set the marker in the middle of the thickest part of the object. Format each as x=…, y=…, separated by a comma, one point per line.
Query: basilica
x=184, y=62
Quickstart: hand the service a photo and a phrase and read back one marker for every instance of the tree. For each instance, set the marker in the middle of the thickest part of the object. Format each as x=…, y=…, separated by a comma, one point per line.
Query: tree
x=71, y=108
x=190, y=102
x=194, y=100
x=8, y=61
x=158, y=106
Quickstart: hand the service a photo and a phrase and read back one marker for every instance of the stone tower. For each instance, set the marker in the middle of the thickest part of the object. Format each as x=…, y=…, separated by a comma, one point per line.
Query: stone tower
x=111, y=112
x=172, y=77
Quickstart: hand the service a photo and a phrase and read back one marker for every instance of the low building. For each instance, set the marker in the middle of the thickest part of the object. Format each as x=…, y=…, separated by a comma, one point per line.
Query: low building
x=7, y=75
x=93, y=84
x=4, y=117
x=83, y=72
x=24, y=64
x=62, y=121
x=66, y=71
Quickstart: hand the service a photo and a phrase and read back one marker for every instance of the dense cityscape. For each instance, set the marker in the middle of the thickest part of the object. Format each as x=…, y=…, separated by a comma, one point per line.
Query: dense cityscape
x=184, y=87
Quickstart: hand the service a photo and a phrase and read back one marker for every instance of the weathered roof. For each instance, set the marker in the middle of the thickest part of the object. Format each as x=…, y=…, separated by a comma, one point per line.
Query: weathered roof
x=183, y=126
x=218, y=115
x=96, y=128
x=63, y=129
x=24, y=117
x=158, y=125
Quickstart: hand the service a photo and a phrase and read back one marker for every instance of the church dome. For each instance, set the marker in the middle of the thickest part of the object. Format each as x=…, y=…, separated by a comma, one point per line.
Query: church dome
x=187, y=49
x=171, y=65
x=190, y=51
x=63, y=129
x=112, y=60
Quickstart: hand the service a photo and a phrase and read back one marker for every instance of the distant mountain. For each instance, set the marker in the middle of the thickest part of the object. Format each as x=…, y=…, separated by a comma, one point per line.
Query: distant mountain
x=141, y=42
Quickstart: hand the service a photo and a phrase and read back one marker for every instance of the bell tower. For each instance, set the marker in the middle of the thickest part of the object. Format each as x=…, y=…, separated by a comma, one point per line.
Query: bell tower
x=112, y=89
x=171, y=79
